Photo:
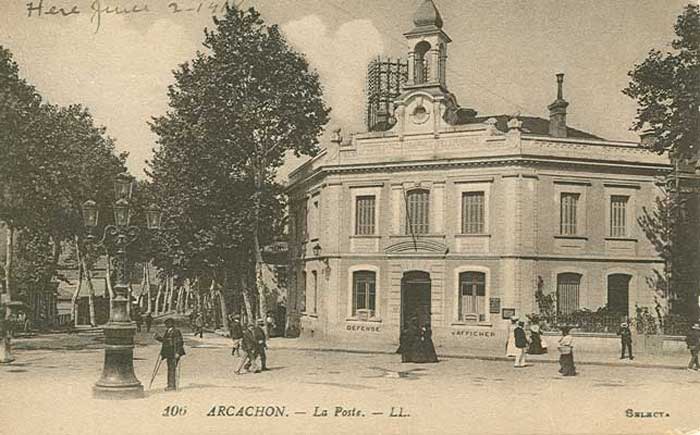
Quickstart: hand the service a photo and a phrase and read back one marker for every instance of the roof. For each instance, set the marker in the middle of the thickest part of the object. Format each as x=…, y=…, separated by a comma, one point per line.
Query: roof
x=427, y=15
x=533, y=125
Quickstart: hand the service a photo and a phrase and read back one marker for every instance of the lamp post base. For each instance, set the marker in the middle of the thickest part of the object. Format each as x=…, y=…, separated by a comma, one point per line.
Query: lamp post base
x=118, y=380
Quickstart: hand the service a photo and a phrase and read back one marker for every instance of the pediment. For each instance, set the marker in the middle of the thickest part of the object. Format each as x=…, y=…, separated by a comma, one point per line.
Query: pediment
x=417, y=245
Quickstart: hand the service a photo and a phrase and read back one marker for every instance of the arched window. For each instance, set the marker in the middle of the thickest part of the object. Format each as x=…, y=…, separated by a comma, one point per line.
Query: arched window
x=568, y=285
x=417, y=212
x=364, y=293
x=472, y=296
x=302, y=293
x=619, y=293
x=420, y=69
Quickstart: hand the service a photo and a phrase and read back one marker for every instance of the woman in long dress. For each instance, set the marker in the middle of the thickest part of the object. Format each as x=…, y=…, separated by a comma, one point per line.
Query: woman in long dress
x=425, y=349
x=510, y=343
x=566, y=349
x=537, y=346
x=408, y=341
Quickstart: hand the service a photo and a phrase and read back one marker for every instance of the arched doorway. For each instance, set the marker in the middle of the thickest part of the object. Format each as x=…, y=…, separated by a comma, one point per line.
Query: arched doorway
x=619, y=293
x=415, y=298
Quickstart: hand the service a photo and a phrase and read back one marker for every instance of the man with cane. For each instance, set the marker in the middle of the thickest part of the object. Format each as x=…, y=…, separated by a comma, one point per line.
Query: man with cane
x=171, y=350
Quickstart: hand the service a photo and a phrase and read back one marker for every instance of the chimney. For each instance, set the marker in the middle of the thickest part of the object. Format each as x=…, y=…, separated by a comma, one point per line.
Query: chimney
x=557, y=111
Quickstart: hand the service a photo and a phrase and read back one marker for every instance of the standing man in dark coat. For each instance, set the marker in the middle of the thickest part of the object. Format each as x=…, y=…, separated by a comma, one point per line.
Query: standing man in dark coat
x=693, y=342
x=171, y=350
x=199, y=325
x=520, y=345
x=149, y=321
x=261, y=340
x=625, y=339
x=138, y=319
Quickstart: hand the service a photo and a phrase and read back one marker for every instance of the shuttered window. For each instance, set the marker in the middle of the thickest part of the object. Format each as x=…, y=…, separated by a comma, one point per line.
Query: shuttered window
x=618, y=216
x=364, y=292
x=364, y=215
x=417, y=210
x=569, y=203
x=314, y=307
x=568, y=285
x=472, y=292
x=472, y=212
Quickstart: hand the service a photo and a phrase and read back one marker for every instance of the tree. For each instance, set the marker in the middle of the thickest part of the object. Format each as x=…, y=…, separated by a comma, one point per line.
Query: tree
x=667, y=89
x=236, y=110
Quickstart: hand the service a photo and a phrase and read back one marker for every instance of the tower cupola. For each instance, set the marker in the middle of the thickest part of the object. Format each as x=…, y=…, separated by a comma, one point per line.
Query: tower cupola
x=427, y=48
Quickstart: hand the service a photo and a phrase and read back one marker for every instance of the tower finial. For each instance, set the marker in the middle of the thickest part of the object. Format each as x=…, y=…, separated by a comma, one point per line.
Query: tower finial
x=427, y=15
x=560, y=86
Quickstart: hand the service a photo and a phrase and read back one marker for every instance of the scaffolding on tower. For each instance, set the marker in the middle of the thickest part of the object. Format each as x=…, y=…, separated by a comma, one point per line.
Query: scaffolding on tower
x=385, y=78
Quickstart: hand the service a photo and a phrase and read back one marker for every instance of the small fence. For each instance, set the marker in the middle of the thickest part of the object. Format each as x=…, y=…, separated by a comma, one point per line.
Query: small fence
x=607, y=322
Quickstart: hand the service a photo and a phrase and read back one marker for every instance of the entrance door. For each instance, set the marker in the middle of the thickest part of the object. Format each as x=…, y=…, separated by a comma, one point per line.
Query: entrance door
x=618, y=293
x=415, y=298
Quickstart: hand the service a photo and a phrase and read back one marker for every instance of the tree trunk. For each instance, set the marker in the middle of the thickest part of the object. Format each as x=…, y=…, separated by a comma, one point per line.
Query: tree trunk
x=246, y=298
x=222, y=305
x=74, y=299
x=160, y=290
x=91, y=292
x=110, y=289
x=5, y=343
x=171, y=295
x=147, y=281
x=9, y=259
x=259, y=263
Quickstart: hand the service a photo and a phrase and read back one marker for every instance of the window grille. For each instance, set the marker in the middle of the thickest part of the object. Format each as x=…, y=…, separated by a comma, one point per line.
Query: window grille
x=365, y=215
x=472, y=212
x=618, y=216
x=569, y=203
x=417, y=210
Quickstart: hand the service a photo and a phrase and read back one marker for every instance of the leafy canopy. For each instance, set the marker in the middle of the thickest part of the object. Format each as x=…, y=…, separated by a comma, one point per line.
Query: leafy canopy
x=667, y=88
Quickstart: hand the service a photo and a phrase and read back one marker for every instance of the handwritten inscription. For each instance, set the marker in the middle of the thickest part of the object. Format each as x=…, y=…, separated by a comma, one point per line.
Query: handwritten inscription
x=100, y=9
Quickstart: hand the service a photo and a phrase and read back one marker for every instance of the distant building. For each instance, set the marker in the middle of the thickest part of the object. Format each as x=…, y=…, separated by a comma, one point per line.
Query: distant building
x=455, y=218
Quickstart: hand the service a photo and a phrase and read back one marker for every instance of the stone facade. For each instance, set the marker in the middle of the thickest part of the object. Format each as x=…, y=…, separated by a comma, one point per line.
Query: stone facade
x=475, y=269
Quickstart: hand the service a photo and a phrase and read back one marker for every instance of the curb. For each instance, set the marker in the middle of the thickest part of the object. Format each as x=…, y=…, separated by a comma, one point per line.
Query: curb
x=491, y=358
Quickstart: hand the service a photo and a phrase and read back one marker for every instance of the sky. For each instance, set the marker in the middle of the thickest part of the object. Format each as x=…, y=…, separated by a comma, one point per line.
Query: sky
x=502, y=60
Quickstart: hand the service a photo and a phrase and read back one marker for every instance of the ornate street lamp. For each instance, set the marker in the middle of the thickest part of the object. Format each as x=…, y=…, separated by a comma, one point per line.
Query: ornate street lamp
x=118, y=380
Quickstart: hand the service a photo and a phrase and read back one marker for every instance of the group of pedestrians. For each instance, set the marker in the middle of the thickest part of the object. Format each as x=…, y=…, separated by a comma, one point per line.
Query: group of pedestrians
x=249, y=345
x=141, y=319
x=520, y=343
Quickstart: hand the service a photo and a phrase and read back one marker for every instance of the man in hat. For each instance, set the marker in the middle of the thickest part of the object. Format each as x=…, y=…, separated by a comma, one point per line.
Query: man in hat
x=249, y=349
x=520, y=344
x=171, y=350
x=693, y=342
x=236, y=333
x=261, y=340
x=625, y=339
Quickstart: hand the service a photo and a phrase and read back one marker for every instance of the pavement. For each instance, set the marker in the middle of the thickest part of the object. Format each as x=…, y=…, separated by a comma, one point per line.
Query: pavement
x=47, y=390
x=671, y=361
